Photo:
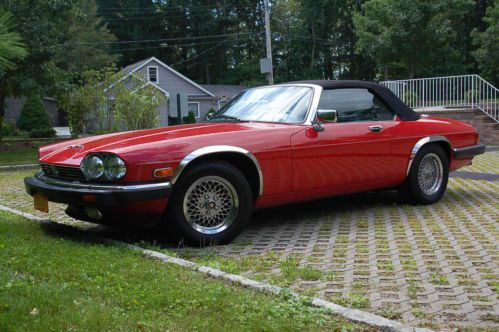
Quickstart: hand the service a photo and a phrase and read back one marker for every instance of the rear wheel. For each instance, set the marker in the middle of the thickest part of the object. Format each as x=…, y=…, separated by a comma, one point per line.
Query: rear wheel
x=210, y=204
x=428, y=176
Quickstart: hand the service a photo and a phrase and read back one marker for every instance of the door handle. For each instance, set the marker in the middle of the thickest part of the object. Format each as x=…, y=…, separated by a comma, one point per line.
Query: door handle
x=376, y=128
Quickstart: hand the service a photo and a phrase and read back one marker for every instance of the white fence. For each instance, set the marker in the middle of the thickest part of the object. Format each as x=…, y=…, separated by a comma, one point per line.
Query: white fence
x=449, y=91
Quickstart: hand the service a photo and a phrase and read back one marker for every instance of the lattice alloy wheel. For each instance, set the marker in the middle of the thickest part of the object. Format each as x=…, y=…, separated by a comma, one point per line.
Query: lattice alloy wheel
x=210, y=204
x=430, y=174
x=428, y=177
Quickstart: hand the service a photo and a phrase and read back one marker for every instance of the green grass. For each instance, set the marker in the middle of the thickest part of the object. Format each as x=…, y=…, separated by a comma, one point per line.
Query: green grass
x=54, y=281
x=20, y=157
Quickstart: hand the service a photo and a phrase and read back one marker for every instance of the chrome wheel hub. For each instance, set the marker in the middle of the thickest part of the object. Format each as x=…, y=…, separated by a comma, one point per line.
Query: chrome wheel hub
x=210, y=204
x=430, y=174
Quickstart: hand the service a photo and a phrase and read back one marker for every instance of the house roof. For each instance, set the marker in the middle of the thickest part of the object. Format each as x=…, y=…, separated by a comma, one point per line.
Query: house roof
x=222, y=91
x=130, y=69
x=166, y=93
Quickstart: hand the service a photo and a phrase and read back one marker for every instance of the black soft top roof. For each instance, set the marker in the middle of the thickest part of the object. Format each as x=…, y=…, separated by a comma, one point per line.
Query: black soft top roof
x=404, y=111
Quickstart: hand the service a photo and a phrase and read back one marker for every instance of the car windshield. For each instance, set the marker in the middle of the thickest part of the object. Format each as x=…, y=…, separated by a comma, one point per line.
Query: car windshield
x=281, y=104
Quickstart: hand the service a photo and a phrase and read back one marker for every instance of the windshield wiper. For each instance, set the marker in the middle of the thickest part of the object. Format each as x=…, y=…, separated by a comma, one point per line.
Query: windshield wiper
x=228, y=117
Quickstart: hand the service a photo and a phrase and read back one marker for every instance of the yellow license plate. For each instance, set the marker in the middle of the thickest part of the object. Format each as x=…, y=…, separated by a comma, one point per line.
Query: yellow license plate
x=41, y=203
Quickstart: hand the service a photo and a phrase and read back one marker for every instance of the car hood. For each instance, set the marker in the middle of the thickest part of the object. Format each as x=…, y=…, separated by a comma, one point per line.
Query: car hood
x=169, y=140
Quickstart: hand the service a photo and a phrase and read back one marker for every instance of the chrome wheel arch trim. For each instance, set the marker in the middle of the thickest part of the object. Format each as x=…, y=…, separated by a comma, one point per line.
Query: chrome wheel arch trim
x=419, y=144
x=215, y=149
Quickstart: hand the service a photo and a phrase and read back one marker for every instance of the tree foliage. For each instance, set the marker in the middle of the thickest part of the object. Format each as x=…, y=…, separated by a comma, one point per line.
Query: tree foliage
x=410, y=34
x=109, y=101
x=34, y=119
x=11, y=45
x=46, y=27
x=487, y=41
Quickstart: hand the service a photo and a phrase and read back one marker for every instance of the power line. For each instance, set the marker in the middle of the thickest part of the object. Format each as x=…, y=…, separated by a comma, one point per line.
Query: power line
x=160, y=40
x=201, y=53
x=302, y=37
x=160, y=8
x=168, y=46
x=158, y=17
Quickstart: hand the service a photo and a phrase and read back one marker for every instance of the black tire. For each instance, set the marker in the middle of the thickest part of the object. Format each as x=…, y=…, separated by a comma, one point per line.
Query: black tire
x=412, y=190
x=222, y=174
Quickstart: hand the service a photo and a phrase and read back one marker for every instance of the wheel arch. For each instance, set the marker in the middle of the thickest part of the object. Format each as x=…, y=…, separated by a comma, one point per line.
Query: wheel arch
x=437, y=139
x=241, y=158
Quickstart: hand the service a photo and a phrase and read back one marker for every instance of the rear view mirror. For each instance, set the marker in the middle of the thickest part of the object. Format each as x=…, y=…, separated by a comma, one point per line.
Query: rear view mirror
x=327, y=116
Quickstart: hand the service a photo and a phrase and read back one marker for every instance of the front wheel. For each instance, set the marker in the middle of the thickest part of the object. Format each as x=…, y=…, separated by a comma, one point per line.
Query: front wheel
x=428, y=176
x=210, y=204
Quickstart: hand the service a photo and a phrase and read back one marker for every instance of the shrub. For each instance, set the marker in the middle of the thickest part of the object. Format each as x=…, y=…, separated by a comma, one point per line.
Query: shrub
x=190, y=118
x=34, y=118
x=9, y=129
x=210, y=112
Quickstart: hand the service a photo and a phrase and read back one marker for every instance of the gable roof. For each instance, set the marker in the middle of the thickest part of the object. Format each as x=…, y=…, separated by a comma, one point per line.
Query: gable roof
x=166, y=93
x=130, y=69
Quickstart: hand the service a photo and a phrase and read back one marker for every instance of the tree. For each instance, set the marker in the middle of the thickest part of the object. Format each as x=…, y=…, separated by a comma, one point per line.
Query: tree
x=44, y=27
x=34, y=118
x=11, y=44
x=487, y=54
x=410, y=34
x=135, y=104
x=88, y=41
x=108, y=101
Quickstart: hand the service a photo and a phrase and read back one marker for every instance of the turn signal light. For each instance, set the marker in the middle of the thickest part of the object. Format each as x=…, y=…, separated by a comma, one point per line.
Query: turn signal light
x=89, y=198
x=161, y=173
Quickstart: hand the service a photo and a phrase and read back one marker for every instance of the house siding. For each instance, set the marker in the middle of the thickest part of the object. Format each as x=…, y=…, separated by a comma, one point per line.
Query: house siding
x=171, y=82
x=174, y=84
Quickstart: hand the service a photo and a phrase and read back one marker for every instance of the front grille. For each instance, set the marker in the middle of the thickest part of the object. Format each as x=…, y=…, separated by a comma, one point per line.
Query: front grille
x=63, y=172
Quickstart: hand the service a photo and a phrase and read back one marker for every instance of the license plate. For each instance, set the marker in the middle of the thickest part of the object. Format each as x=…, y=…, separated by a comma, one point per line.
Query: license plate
x=41, y=203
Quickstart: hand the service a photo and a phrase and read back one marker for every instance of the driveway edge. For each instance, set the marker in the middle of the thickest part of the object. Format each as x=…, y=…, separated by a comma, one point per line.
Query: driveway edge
x=354, y=315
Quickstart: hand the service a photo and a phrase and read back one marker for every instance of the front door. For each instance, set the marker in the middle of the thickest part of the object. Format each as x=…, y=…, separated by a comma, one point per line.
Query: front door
x=353, y=150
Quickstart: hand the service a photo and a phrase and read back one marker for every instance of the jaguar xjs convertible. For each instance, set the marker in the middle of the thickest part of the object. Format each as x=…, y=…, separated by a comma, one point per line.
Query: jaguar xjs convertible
x=268, y=146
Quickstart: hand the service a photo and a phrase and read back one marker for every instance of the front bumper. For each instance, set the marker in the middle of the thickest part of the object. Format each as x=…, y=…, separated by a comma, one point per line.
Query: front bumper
x=469, y=151
x=94, y=195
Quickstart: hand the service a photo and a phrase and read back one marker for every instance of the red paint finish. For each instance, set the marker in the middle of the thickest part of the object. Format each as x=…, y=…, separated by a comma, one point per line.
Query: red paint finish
x=297, y=162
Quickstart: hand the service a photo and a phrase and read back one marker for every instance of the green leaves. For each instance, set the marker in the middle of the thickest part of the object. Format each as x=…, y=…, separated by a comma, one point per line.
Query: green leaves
x=34, y=118
x=108, y=101
x=487, y=41
x=11, y=44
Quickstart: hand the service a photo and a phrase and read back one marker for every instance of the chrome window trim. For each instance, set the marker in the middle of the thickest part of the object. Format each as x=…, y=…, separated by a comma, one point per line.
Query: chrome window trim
x=123, y=188
x=419, y=144
x=312, y=109
x=217, y=149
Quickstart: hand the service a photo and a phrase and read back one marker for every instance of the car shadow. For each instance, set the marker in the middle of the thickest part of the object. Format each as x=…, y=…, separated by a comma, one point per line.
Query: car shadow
x=290, y=214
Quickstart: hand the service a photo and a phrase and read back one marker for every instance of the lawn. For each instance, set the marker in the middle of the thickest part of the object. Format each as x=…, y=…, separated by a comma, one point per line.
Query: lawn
x=20, y=157
x=51, y=280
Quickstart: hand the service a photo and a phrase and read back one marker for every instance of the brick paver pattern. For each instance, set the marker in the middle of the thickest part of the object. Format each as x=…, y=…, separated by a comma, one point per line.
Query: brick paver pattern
x=433, y=265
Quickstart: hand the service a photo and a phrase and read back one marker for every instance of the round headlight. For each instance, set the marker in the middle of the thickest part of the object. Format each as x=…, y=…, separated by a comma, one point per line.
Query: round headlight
x=93, y=167
x=115, y=167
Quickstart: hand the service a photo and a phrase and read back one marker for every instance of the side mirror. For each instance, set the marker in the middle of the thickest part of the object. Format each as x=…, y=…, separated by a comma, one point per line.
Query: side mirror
x=327, y=116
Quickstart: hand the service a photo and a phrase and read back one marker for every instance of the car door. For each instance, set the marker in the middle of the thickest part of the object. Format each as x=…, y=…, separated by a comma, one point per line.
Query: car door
x=354, y=149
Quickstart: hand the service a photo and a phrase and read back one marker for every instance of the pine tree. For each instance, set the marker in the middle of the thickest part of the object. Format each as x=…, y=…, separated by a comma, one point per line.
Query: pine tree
x=34, y=118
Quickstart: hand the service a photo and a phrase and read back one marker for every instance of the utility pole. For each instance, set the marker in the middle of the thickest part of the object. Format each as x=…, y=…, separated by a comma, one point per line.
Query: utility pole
x=268, y=43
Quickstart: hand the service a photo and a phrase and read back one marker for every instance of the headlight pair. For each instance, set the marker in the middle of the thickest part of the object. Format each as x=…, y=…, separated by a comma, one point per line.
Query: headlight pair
x=103, y=166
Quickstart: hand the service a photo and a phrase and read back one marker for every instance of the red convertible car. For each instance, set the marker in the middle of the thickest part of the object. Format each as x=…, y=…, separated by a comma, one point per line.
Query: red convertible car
x=268, y=146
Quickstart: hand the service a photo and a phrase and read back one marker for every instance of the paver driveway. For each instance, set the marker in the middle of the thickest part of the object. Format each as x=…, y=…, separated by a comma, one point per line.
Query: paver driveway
x=433, y=266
